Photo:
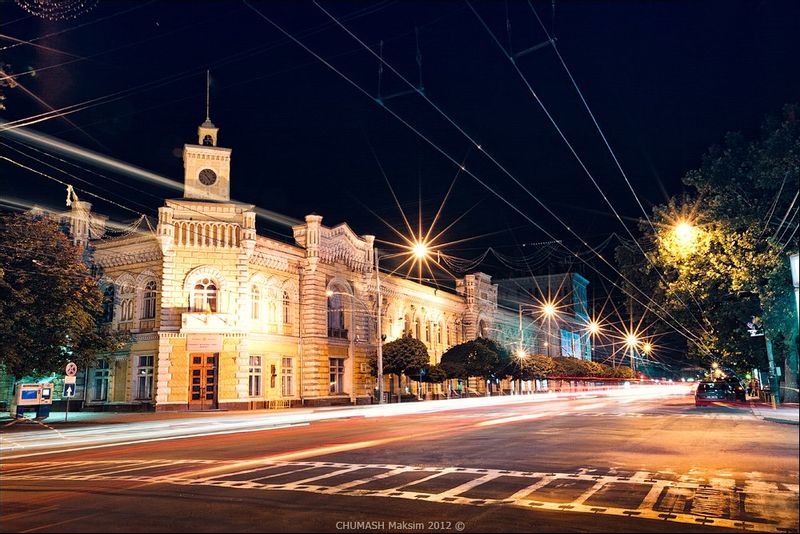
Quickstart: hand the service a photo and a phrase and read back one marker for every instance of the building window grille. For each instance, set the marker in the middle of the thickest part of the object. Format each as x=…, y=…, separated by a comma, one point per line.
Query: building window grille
x=149, y=301
x=144, y=378
x=336, y=375
x=287, y=377
x=254, y=381
x=100, y=376
x=205, y=296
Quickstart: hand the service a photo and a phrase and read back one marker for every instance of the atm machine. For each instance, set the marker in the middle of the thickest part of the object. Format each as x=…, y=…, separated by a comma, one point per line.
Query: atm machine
x=32, y=397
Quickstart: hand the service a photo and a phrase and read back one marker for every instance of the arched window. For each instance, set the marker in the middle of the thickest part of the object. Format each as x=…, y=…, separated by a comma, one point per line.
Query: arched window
x=427, y=331
x=407, y=326
x=418, y=330
x=127, y=295
x=108, y=305
x=204, y=297
x=336, y=326
x=149, y=301
x=255, y=302
x=286, y=315
x=208, y=140
x=481, y=328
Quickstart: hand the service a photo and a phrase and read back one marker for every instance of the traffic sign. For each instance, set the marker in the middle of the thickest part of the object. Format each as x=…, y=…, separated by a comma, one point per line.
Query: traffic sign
x=70, y=379
x=72, y=369
x=69, y=390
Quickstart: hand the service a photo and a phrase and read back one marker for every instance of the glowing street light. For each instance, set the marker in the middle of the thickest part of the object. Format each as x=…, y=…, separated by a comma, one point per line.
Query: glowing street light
x=647, y=348
x=521, y=354
x=549, y=309
x=420, y=250
x=631, y=340
x=685, y=237
x=594, y=327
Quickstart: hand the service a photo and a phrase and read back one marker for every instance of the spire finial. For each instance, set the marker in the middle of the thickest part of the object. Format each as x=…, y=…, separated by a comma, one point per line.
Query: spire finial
x=208, y=95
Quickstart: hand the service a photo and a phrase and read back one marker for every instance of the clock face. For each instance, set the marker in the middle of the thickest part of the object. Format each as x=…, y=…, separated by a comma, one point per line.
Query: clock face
x=207, y=177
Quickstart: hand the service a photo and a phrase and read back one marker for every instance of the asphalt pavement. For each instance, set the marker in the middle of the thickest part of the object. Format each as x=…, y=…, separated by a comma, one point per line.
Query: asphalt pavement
x=642, y=461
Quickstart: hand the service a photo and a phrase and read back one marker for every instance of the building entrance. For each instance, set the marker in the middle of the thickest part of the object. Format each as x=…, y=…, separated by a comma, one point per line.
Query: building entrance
x=203, y=381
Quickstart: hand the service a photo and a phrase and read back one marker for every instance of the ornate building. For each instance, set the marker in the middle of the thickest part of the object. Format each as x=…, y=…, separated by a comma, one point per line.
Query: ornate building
x=221, y=317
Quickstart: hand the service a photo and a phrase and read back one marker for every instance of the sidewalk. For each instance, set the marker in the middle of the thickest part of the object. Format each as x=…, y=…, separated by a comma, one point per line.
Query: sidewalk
x=115, y=418
x=785, y=413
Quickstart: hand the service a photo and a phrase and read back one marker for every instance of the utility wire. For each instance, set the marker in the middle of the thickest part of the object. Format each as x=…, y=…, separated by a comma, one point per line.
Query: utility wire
x=686, y=332
x=579, y=159
x=478, y=146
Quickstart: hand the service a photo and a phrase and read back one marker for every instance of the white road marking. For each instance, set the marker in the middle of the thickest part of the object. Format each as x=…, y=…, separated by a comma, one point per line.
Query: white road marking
x=768, y=506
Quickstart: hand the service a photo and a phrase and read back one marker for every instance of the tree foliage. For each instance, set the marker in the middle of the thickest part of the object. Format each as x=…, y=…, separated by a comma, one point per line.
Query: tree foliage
x=50, y=305
x=404, y=355
x=478, y=357
x=735, y=267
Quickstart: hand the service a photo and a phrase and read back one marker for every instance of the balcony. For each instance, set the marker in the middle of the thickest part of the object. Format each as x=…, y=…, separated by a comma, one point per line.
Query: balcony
x=207, y=322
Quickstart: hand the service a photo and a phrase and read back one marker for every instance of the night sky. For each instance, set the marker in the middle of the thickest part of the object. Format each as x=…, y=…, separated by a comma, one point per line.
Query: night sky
x=664, y=79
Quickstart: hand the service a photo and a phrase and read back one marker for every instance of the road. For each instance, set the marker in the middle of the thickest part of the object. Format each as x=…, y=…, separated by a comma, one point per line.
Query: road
x=638, y=460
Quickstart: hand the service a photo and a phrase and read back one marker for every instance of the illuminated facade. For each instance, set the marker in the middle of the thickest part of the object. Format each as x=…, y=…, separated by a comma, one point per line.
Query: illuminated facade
x=223, y=318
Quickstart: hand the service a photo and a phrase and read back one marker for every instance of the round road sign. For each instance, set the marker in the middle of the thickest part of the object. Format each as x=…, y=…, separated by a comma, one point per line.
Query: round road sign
x=72, y=369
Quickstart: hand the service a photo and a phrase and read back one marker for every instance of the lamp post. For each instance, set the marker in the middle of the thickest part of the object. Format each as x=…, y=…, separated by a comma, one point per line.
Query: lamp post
x=420, y=251
x=631, y=340
x=379, y=354
x=549, y=311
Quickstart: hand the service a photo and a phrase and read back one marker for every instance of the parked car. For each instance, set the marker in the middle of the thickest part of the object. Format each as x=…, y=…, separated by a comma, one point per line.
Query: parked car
x=740, y=394
x=708, y=392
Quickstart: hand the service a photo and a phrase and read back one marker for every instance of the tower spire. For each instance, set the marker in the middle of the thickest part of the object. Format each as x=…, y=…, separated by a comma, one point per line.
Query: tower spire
x=208, y=95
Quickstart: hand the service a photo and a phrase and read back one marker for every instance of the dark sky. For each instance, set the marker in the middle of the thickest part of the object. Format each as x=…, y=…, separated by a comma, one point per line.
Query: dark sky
x=664, y=79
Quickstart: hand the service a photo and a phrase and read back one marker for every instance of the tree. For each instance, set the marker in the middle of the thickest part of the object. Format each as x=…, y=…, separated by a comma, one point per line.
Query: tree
x=405, y=355
x=50, y=305
x=434, y=374
x=729, y=263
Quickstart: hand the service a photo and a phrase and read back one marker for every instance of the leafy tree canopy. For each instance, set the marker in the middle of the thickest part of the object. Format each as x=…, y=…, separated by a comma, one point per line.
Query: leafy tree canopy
x=50, y=305
x=730, y=263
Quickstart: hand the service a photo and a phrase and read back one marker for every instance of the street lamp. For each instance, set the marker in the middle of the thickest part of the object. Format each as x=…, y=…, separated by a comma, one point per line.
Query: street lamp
x=631, y=341
x=420, y=251
x=549, y=312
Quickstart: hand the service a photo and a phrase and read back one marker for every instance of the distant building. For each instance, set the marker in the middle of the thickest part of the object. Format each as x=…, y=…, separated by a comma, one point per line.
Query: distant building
x=221, y=317
x=560, y=333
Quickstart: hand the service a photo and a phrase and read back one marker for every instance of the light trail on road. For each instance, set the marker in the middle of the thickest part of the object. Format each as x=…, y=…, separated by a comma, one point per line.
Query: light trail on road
x=35, y=444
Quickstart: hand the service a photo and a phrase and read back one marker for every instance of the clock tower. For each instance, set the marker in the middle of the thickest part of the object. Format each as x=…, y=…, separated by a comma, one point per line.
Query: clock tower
x=207, y=167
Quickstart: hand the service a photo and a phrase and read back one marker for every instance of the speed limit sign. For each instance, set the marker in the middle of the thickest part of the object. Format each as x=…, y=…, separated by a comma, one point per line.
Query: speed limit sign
x=72, y=369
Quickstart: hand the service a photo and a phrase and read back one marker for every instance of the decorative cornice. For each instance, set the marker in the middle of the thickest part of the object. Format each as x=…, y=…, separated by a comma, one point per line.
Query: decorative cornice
x=115, y=258
x=266, y=259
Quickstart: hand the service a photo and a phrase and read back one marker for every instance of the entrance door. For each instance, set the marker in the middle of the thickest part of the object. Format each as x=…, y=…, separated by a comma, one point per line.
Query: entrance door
x=203, y=381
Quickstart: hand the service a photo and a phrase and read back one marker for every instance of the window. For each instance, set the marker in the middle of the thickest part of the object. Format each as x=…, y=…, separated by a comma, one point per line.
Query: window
x=126, y=303
x=108, y=304
x=100, y=376
x=204, y=297
x=286, y=316
x=336, y=375
x=439, y=333
x=273, y=376
x=144, y=378
x=427, y=331
x=149, y=301
x=336, y=316
x=418, y=330
x=255, y=302
x=287, y=377
x=254, y=383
